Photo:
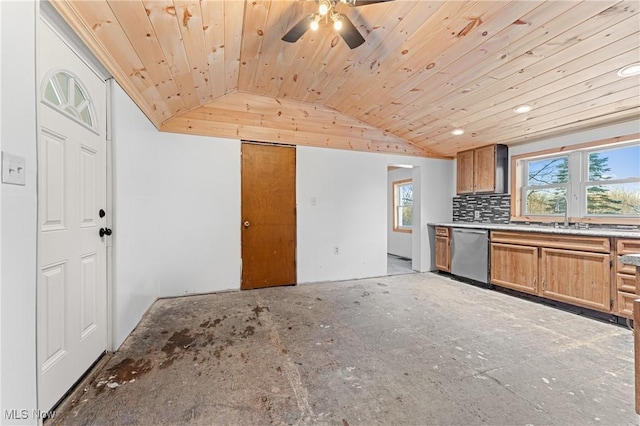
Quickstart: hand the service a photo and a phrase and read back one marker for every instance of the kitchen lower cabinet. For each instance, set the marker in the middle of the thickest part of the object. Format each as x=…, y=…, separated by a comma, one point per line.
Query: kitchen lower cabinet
x=572, y=269
x=515, y=267
x=625, y=278
x=443, y=249
x=578, y=278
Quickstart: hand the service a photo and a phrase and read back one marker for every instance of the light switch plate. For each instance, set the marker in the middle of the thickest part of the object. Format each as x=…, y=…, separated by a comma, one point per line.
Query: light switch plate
x=13, y=171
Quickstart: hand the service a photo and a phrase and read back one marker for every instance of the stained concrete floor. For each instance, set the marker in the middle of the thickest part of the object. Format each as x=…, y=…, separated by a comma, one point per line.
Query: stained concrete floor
x=406, y=349
x=397, y=265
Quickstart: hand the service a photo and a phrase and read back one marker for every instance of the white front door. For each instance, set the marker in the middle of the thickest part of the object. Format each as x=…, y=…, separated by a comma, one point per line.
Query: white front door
x=72, y=264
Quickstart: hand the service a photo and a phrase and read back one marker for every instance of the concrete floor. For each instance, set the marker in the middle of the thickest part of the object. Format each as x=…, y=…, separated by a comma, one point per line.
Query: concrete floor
x=405, y=349
x=397, y=265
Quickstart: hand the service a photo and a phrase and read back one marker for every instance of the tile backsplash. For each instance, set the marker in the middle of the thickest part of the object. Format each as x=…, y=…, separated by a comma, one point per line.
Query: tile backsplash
x=490, y=208
x=496, y=208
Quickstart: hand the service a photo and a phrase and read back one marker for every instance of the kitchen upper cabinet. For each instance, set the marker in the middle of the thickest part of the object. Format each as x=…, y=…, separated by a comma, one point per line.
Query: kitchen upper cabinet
x=515, y=267
x=464, y=175
x=443, y=249
x=482, y=170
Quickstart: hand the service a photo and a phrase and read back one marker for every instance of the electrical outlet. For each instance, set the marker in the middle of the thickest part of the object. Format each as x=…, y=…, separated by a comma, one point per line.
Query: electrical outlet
x=476, y=214
x=13, y=169
x=336, y=250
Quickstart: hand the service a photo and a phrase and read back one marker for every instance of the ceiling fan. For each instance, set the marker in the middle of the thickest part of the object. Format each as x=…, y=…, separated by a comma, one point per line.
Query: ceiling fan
x=327, y=10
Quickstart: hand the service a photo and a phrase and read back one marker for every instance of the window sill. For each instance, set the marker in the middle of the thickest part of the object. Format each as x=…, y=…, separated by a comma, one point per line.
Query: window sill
x=406, y=231
x=598, y=220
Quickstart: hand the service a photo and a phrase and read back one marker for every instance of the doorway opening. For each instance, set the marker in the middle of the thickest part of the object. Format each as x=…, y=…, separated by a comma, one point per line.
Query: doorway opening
x=400, y=219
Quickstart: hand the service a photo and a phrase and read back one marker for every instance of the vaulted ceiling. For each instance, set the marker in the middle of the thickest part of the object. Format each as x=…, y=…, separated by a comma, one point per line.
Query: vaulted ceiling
x=220, y=68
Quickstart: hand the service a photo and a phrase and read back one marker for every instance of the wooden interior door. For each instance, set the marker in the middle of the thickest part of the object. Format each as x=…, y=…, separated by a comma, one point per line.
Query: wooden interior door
x=268, y=215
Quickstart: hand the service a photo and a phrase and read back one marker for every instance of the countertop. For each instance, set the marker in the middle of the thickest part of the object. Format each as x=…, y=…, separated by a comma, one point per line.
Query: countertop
x=546, y=229
x=630, y=259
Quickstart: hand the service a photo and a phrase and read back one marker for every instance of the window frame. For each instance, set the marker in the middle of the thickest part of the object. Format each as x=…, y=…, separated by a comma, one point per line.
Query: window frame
x=576, y=191
x=395, y=185
x=585, y=182
x=66, y=97
x=525, y=187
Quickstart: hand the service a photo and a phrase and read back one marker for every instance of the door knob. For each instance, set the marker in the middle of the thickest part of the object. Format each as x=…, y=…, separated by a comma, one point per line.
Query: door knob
x=105, y=231
x=246, y=224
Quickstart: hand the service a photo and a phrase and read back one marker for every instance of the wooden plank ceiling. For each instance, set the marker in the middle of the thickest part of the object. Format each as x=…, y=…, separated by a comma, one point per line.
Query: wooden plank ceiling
x=220, y=68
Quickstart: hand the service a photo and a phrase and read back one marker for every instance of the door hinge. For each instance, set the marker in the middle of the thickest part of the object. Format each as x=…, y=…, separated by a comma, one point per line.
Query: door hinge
x=610, y=303
x=610, y=263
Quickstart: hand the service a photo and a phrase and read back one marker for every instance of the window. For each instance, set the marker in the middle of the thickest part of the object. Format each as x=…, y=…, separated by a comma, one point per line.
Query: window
x=547, y=180
x=402, y=206
x=612, y=181
x=64, y=93
x=598, y=183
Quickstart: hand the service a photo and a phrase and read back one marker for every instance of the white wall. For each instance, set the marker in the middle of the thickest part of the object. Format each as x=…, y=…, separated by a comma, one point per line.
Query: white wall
x=350, y=192
x=398, y=243
x=350, y=212
x=18, y=214
x=432, y=180
x=1, y=84
x=176, y=214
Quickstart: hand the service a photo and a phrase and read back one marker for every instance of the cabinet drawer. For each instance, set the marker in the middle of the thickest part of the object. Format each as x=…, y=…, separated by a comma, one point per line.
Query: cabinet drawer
x=625, y=304
x=441, y=231
x=568, y=242
x=626, y=247
x=626, y=283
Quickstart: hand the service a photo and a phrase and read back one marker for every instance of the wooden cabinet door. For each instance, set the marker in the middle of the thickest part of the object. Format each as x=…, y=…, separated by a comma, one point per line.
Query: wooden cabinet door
x=515, y=267
x=464, y=172
x=484, y=170
x=576, y=277
x=443, y=254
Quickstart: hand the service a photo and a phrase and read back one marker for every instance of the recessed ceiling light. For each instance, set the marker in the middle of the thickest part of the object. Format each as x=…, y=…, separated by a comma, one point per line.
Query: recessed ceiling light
x=457, y=132
x=629, y=70
x=521, y=109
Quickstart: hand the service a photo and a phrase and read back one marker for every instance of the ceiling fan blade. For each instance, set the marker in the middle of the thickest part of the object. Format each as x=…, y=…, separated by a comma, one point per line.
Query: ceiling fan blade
x=357, y=3
x=350, y=33
x=297, y=31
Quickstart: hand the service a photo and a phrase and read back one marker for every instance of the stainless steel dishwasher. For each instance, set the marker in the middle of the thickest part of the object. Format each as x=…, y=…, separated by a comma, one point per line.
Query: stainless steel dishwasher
x=470, y=254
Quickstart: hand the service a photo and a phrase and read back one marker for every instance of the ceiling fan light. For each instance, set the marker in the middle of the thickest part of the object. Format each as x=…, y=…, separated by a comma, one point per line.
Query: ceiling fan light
x=457, y=132
x=324, y=7
x=337, y=24
x=314, y=25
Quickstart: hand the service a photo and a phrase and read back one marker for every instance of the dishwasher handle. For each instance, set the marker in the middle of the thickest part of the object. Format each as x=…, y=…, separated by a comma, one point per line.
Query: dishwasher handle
x=470, y=231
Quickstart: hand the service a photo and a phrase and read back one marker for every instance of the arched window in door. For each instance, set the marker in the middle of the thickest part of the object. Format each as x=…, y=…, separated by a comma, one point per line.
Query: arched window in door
x=65, y=93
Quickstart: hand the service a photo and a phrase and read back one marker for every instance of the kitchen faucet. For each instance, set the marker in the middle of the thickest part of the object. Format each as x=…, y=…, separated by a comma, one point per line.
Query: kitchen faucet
x=566, y=209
